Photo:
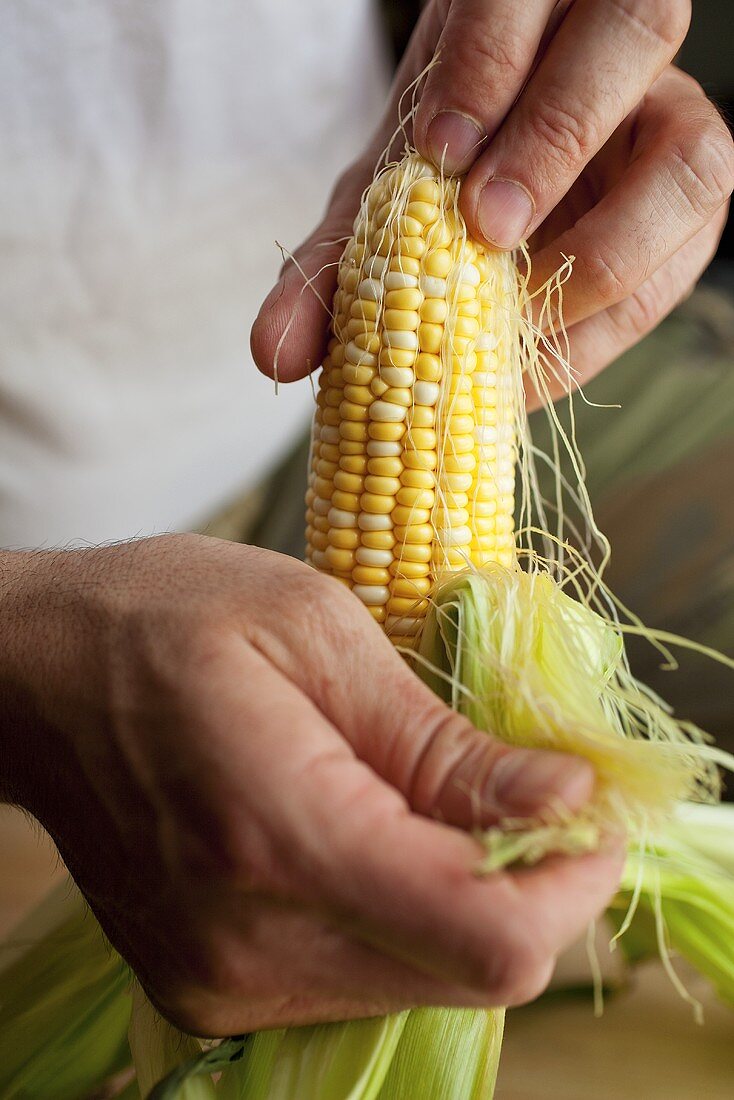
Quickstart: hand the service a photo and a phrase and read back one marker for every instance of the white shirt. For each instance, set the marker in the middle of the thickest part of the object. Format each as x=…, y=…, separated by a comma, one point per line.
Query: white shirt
x=150, y=154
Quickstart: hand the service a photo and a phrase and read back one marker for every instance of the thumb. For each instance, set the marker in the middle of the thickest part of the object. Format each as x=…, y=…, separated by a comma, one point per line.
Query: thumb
x=290, y=332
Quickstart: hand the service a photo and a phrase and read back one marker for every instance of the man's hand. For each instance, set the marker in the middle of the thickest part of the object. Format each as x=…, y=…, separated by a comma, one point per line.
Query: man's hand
x=268, y=812
x=576, y=132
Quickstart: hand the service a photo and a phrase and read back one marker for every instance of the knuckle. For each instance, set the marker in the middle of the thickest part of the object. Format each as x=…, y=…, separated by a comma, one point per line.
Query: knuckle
x=666, y=21
x=450, y=740
x=702, y=165
x=643, y=309
x=517, y=970
x=608, y=276
x=568, y=137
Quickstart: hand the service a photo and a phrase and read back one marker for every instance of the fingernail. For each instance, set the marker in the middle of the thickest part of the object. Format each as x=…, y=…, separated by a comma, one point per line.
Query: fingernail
x=504, y=213
x=528, y=781
x=454, y=140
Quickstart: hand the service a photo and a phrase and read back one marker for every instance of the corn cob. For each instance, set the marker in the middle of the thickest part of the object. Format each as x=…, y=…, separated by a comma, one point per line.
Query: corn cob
x=413, y=446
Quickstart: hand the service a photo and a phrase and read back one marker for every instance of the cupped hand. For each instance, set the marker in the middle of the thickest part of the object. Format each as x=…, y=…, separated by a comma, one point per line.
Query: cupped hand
x=268, y=812
x=575, y=131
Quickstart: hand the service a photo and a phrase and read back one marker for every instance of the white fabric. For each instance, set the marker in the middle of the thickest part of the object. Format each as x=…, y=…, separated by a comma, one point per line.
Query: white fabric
x=150, y=153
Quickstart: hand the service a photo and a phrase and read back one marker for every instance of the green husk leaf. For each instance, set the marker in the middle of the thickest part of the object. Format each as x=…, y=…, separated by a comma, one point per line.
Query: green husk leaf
x=64, y=1004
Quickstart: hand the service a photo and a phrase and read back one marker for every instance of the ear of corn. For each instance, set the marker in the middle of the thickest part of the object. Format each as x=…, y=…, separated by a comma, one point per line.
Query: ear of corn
x=413, y=449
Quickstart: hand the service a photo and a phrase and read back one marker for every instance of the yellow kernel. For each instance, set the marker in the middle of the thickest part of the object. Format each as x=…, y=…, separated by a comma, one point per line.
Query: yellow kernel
x=326, y=469
x=437, y=235
x=358, y=376
x=450, y=517
x=409, y=298
x=379, y=614
x=421, y=439
x=485, y=526
x=385, y=467
x=464, y=364
x=407, y=605
x=362, y=307
x=333, y=397
x=415, y=587
x=323, y=488
x=418, y=479
x=348, y=410
x=378, y=540
x=424, y=212
x=339, y=559
x=386, y=432
x=403, y=516
x=321, y=523
x=318, y=540
x=421, y=460
x=460, y=444
x=458, y=425
x=399, y=396
x=335, y=377
x=469, y=309
x=401, y=320
x=458, y=463
x=415, y=498
x=413, y=247
x=421, y=416
x=348, y=502
x=353, y=464
x=484, y=508
x=368, y=341
x=378, y=387
x=376, y=504
x=355, y=326
x=382, y=486
x=462, y=405
x=454, y=556
x=412, y=569
x=438, y=262
x=414, y=553
x=367, y=574
x=434, y=310
x=346, y=538
x=428, y=367
x=360, y=395
x=425, y=190
x=396, y=357
x=409, y=226
x=354, y=432
x=329, y=451
x=406, y=264
x=420, y=533
x=430, y=337
x=465, y=326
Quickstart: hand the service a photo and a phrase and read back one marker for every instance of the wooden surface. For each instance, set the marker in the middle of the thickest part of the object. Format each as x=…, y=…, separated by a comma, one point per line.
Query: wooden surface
x=645, y=1047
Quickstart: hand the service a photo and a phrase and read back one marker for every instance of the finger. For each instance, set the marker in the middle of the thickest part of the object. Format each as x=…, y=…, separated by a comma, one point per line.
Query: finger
x=681, y=173
x=597, y=341
x=485, y=51
x=346, y=841
x=598, y=66
x=437, y=759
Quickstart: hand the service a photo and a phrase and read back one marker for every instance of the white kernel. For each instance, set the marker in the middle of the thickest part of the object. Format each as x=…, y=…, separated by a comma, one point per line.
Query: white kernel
x=371, y=521
x=398, y=280
x=370, y=290
x=339, y=518
x=426, y=393
x=397, y=376
x=372, y=595
x=321, y=507
x=453, y=536
x=387, y=413
x=469, y=274
x=484, y=379
x=432, y=286
x=375, y=266
x=506, y=484
x=486, y=341
x=318, y=558
x=406, y=339
x=329, y=434
x=383, y=448
x=378, y=559
x=358, y=357
x=486, y=433
x=408, y=627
